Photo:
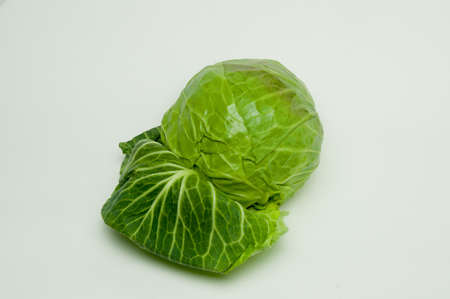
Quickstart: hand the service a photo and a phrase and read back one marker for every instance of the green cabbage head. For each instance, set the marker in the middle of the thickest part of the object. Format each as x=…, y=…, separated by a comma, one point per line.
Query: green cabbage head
x=204, y=189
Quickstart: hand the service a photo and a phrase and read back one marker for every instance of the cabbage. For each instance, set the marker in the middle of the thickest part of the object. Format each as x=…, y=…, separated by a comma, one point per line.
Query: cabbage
x=204, y=189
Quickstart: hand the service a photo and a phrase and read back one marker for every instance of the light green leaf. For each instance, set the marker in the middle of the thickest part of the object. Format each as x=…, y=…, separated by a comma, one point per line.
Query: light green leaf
x=250, y=126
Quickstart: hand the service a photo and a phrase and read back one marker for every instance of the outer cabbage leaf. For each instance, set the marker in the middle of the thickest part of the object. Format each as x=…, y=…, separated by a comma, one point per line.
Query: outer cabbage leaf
x=126, y=147
x=250, y=126
x=175, y=212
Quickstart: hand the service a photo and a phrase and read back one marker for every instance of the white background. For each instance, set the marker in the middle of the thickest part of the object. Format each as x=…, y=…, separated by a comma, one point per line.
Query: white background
x=77, y=77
